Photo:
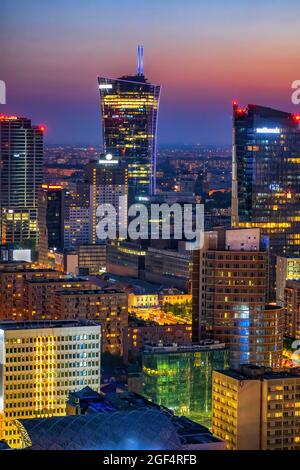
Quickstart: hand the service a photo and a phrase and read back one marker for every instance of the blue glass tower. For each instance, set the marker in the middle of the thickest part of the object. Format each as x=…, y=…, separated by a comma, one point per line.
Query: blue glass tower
x=265, y=177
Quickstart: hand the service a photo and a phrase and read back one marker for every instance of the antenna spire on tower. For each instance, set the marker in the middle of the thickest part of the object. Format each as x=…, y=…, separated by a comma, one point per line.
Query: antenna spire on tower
x=140, y=60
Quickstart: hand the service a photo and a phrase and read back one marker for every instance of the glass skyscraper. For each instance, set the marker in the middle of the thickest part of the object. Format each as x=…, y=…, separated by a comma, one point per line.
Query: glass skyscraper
x=129, y=106
x=180, y=377
x=21, y=176
x=266, y=178
x=55, y=215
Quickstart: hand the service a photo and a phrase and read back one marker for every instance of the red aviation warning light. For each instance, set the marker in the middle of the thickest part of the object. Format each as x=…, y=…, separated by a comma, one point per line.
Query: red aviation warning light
x=4, y=117
x=238, y=111
x=42, y=128
x=297, y=117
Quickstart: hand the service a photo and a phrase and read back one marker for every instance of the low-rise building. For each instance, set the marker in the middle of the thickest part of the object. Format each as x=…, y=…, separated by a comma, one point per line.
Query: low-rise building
x=287, y=269
x=139, y=333
x=91, y=259
x=255, y=408
x=40, y=363
x=180, y=377
x=40, y=295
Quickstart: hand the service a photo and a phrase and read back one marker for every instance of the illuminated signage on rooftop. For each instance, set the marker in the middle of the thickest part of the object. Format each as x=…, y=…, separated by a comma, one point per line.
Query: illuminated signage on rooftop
x=105, y=86
x=268, y=130
x=108, y=159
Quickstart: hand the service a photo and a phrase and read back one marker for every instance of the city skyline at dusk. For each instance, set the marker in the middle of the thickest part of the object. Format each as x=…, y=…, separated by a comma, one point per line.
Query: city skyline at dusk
x=149, y=230
x=203, y=56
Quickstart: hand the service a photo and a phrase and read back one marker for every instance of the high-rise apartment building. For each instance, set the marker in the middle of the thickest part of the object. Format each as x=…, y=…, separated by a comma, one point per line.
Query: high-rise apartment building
x=40, y=363
x=292, y=309
x=21, y=175
x=230, y=281
x=55, y=214
x=256, y=408
x=129, y=108
x=106, y=307
x=107, y=180
x=39, y=295
x=265, y=178
x=77, y=224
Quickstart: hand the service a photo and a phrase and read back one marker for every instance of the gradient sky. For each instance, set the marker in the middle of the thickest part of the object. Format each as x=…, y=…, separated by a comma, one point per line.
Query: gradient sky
x=204, y=53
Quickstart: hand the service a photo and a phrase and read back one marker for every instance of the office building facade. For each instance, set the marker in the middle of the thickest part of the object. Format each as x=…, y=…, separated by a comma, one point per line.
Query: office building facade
x=265, y=183
x=287, y=269
x=91, y=259
x=230, y=284
x=21, y=175
x=40, y=364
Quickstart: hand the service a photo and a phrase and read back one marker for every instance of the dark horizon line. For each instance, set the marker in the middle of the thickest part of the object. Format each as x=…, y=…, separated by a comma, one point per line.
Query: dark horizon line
x=85, y=144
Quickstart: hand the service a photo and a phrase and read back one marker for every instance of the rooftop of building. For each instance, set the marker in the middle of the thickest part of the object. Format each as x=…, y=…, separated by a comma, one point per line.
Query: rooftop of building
x=58, y=280
x=31, y=325
x=89, y=292
x=293, y=283
x=169, y=252
x=205, y=345
x=137, y=322
x=112, y=430
x=265, y=111
x=13, y=268
x=139, y=286
x=254, y=372
x=115, y=421
x=5, y=264
x=92, y=246
x=187, y=430
x=273, y=307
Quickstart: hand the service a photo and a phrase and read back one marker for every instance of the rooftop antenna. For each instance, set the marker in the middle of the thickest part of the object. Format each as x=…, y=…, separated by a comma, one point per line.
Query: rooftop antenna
x=140, y=61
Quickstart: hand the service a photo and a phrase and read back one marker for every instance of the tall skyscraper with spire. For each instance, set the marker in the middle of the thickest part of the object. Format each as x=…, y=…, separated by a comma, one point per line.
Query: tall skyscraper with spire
x=129, y=106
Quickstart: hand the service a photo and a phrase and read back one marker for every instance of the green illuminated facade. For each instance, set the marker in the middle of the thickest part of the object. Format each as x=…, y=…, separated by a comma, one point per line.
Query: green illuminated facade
x=180, y=378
